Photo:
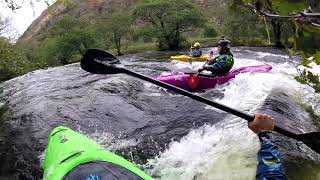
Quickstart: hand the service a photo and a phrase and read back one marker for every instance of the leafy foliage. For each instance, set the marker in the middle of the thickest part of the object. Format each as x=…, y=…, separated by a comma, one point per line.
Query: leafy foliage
x=307, y=77
x=63, y=43
x=241, y=25
x=11, y=63
x=169, y=19
x=287, y=7
x=209, y=31
x=317, y=57
x=282, y=8
x=307, y=40
x=70, y=44
x=306, y=37
x=115, y=27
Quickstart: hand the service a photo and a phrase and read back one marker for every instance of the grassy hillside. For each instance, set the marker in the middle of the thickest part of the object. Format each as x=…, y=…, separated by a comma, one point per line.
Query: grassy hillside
x=215, y=10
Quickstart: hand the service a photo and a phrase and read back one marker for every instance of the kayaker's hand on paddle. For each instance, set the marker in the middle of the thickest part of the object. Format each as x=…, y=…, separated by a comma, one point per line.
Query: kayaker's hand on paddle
x=261, y=123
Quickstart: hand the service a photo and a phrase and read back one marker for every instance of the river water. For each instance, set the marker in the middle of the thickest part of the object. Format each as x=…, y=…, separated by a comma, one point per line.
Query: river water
x=166, y=134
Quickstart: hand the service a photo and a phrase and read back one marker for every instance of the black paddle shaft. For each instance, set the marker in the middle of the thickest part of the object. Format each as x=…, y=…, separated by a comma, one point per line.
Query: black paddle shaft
x=205, y=100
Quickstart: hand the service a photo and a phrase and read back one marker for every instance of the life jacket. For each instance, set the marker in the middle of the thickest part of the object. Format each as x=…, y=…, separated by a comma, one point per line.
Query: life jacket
x=230, y=61
x=226, y=65
x=196, y=53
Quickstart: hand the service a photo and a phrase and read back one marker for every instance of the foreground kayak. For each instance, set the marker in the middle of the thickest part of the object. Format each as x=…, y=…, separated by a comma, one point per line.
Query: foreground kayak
x=70, y=155
x=192, y=82
x=186, y=58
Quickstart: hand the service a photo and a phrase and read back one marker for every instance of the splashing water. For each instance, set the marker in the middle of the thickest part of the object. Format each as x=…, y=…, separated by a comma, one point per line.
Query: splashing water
x=227, y=150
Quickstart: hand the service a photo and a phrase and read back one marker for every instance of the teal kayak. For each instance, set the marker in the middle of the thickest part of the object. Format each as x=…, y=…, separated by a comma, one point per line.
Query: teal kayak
x=71, y=155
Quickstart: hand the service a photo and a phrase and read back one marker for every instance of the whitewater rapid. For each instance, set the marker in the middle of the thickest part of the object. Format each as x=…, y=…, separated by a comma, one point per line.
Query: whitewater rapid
x=227, y=150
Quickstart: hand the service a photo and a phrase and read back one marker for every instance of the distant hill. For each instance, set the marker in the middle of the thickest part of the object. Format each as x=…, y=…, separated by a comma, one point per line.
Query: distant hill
x=214, y=9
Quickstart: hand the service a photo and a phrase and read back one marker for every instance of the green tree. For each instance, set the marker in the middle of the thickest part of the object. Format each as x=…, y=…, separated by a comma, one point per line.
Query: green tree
x=280, y=9
x=11, y=62
x=115, y=27
x=209, y=31
x=169, y=19
x=69, y=39
x=307, y=32
x=70, y=45
x=241, y=25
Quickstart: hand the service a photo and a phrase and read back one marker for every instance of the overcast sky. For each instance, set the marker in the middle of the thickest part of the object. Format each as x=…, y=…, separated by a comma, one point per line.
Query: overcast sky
x=22, y=18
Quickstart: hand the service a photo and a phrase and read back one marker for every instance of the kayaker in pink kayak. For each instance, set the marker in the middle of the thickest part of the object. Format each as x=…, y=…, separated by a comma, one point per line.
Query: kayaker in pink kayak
x=195, y=51
x=221, y=64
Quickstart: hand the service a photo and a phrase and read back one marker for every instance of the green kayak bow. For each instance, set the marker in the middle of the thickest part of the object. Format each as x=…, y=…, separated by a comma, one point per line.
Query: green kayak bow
x=67, y=150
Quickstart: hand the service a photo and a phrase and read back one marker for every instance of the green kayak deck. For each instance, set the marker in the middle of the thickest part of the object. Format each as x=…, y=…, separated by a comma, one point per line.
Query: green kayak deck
x=68, y=149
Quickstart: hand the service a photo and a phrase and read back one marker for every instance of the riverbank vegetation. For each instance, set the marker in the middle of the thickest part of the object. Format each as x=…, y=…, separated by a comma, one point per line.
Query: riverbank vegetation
x=303, y=23
x=133, y=26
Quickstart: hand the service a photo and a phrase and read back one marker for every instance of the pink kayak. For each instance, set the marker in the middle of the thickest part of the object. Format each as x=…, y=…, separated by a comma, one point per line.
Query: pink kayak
x=193, y=82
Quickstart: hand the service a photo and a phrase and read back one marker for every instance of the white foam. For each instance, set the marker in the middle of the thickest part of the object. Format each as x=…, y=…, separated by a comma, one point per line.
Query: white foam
x=111, y=143
x=210, y=152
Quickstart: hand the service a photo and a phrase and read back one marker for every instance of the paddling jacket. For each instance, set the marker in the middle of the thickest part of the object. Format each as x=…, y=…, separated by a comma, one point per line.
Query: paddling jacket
x=195, y=52
x=221, y=65
x=270, y=166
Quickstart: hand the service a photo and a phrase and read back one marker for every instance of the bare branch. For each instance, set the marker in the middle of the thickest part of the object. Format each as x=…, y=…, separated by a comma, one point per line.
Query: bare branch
x=316, y=24
x=4, y=25
x=311, y=15
x=279, y=16
x=294, y=16
x=305, y=17
x=14, y=5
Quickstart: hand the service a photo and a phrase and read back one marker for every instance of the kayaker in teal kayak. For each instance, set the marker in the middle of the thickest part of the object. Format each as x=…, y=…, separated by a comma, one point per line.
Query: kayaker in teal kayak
x=270, y=166
x=221, y=64
x=195, y=51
